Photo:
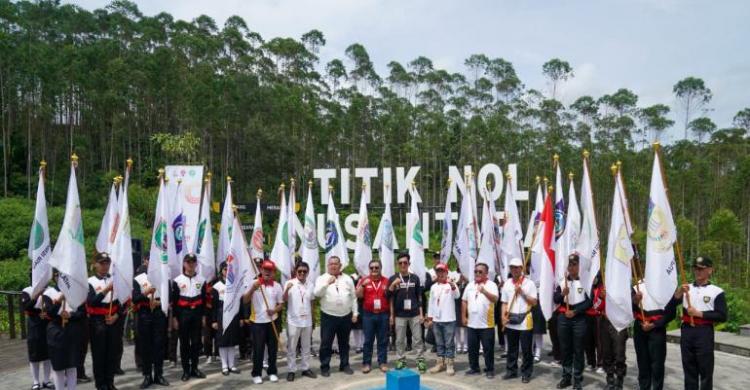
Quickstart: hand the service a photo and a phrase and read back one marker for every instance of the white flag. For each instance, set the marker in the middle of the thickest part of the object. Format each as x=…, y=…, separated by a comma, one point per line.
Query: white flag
x=466, y=248
x=227, y=221
x=293, y=222
x=363, y=249
x=122, y=251
x=535, y=257
x=310, y=252
x=385, y=241
x=158, y=271
x=69, y=255
x=110, y=223
x=661, y=272
x=207, y=262
x=176, y=233
x=415, y=241
x=561, y=258
x=39, y=244
x=619, y=307
x=335, y=240
x=569, y=239
x=588, y=242
x=487, y=253
x=446, y=244
x=280, y=252
x=239, y=274
x=258, y=239
x=512, y=239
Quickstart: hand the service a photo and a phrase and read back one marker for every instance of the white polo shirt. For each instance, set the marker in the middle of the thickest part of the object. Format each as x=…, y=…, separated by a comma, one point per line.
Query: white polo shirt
x=258, y=306
x=299, y=304
x=519, y=305
x=442, y=305
x=480, y=309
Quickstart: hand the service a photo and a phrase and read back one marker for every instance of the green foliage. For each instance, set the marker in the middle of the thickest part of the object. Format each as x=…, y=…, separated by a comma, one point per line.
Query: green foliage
x=725, y=227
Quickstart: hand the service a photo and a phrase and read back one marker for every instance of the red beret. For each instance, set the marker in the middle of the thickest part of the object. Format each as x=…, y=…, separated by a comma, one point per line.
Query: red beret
x=268, y=264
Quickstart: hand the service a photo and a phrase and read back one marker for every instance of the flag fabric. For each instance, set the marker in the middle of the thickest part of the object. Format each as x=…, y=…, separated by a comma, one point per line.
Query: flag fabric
x=69, y=255
x=569, y=239
x=561, y=257
x=227, y=221
x=158, y=272
x=292, y=222
x=487, y=253
x=660, y=274
x=446, y=244
x=110, y=223
x=588, y=241
x=208, y=263
x=466, y=248
x=415, y=241
x=530, y=239
x=335, y=240
x=309, y=246
x=239, y=274
x=280, y=252
x=385, y=241
x=122, y=251
x=512, y=239
x=363, y=248
x=39, y=242
x=258, y=239
x=176, y=233
x=620, y=252
x=543, y=247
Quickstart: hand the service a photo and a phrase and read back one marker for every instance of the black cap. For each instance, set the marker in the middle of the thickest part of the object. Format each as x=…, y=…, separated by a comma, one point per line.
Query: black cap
x=703, y=262
x=573, y=258
x=190, y=257
x=101, y=257
x=222, y=266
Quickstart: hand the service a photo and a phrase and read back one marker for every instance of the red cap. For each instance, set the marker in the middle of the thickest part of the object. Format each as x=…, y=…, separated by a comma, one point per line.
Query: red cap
x=268, y=264
x=441, y=267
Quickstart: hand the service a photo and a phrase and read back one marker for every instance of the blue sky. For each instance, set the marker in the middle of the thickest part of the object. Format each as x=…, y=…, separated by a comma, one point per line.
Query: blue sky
x=643, y=45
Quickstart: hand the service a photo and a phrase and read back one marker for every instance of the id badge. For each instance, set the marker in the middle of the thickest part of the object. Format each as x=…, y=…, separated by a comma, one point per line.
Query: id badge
x=376, y=304
x=407, y=304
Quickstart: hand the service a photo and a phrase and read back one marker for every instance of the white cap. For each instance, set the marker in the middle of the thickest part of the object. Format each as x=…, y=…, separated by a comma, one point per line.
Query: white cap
x=515, y=262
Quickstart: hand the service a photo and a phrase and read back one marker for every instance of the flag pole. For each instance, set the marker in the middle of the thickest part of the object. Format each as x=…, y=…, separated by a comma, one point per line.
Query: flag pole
x=677, y=246
x=472, y=209
x=638, y=276
x=591, y=190
x=555, y=164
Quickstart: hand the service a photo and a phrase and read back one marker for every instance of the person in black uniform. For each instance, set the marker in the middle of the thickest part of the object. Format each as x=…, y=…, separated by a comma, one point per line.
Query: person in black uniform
x=571, y=324
x=188, y=299
x=151, y=329
x=36, y=337
x=226, y=339
x=104, y=312
x=64, y=332
x=650, y=337
x=703, y=306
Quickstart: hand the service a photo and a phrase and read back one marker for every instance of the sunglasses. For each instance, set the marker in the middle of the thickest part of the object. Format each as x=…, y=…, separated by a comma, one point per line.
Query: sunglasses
x=403, y=263
x=478, y=272
x=374, y=268
x=302, y=271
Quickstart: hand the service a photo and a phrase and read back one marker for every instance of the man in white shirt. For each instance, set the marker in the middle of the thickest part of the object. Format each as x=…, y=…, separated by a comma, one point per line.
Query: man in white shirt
x=478, y=315
x=518, y=298
x=299, y=321
x=266, y=301
x=441, y=315
x=338, y=310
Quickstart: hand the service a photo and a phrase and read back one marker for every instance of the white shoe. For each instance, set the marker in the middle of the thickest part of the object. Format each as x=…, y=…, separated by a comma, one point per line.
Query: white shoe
x=600, y=371
x=537, y=359
x=273, y=378
x=209, y=360
x=265, y=364
x=257, y=380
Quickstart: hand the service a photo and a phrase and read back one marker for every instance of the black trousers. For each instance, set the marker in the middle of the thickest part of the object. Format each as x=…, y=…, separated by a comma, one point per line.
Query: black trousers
x=104, y=340
x=81, y=369
x=524, y=337
x=487, y=338
x=593, y=345
x=263, y=337
x=340, y=328
x=120, y=333
x=650, y=352
x=151, y=332
x=554, y=338
x=613, y=349
x=571, y=332
x=697, y=347
x=189, y=321
x=246, y=340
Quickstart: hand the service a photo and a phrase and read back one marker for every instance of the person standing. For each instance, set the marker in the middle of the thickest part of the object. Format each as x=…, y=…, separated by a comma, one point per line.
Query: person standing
x=299, y=296
x=151, y=329
x=188, y=304
x=405, y=293
x=226, y=339
x=266, y=301
x=593, y=347
x=376, y=311
x=441, y=315
x=519, y=296
x=478, y=315
x=64, y=332
x=703, y=306
x=338, y=310
x=571, y=324
x=613, y=349
x=104, y=312
x=650, y=337
x=36, y=338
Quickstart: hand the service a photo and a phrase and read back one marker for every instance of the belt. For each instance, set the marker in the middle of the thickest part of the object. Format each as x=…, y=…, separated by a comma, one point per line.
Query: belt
x=102, y=311
x=642, y=318
x=687, y=320
x=184, y=303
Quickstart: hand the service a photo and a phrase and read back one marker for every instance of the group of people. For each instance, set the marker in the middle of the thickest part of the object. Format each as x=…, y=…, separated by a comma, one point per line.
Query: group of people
x=442, y=308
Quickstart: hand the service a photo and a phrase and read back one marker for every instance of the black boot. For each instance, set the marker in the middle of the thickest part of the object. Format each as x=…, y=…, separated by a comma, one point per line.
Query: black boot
x=618, y=383
x=610, y=382
x=185, y=376
x=159, y=380
x=147, y=381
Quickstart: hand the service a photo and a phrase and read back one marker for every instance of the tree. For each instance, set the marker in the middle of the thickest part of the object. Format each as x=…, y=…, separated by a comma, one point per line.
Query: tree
x=556, y=71
x=702, y=127
x=693, y=95
x=742, y=119
x=654, y=119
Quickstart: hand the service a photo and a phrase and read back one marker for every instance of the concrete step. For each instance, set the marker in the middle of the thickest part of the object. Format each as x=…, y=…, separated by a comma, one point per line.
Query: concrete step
x=724, y=341
x=745, y=330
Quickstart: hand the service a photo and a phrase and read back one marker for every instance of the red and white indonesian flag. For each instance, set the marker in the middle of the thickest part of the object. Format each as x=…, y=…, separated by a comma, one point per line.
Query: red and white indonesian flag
x=363, y=248
x=39, y=242
x=620, y=252
x=69, y=255
x=588, y=242
x=239, y=274
x=258, y=239
x=661, y=273
x=158, y=266
x=543, y=247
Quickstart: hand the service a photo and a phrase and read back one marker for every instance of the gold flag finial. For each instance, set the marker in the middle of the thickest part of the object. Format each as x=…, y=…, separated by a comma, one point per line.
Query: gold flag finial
x=570, y=175
x=129, y=162
x=619, y=164
x=550, y=189
x=585, y=153
x=291, y=182
x=545, y=180
x=282, y=186
x=309, y=184
x=613, y=168
x=229, y=179
x=74, y=159
x=179, y=180
x=234, y=208
x=161, y=173
x=330, y=188
x=259, y=193
x=450, y=181
x=208, y=177
x=364, y=185
x=657, y=145
x=42, y=164
x=508, y=176
x=556, y=157
x=538, y=179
